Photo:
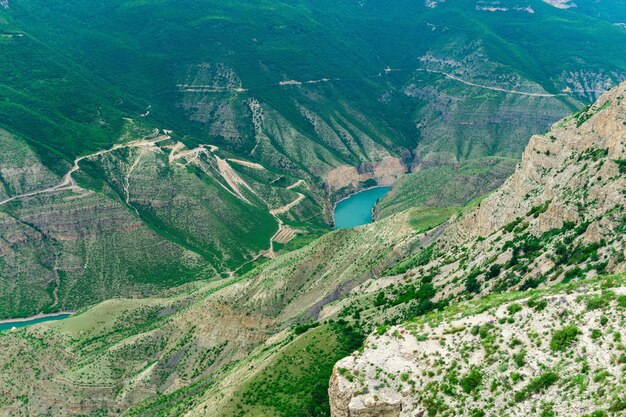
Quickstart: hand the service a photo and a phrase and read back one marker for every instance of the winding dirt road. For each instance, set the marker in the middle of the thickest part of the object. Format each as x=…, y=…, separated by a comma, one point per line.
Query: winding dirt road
x=69, y=183
x=487, y=87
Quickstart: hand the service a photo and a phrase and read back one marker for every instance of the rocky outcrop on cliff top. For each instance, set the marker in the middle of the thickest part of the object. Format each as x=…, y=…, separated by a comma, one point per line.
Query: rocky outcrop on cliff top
x=553, y=352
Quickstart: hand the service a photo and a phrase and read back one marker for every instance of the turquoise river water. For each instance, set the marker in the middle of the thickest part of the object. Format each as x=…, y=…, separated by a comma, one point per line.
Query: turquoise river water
x=357, y=208
x=10, y=324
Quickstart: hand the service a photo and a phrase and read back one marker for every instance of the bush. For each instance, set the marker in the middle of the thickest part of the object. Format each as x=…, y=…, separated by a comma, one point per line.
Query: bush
x=472, y=381
x=514, y=308
x=471, y=282
x=597, y=413
x=494, y=271
x=595, y=303
x=564, y=338
x=520, y=358
x=537, y=305
x=575, y=272
x=539, y=384
x=301, y=328
x=618, y=405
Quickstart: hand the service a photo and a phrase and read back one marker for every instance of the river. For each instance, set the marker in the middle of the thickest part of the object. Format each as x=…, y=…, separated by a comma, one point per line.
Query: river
x=357, y=208
x=7, y=325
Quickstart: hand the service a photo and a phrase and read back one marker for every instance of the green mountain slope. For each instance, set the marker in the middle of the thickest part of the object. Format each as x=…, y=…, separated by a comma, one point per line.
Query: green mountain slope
x=191, y=62
x=446, y=186
x=262, y=343
x=325, y=97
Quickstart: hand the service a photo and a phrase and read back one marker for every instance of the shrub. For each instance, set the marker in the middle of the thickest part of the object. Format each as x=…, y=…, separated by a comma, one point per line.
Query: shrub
x=547, y=411
x=494, y=271
x=301, y=328
x=520, y=358
x=346, y=374
x=575, y=272
x=472, y=381
x=537, y=210
x=618, y=405
x=514, y=308
x=471, y=282
x=483, y=331
x=539, y=384
x=597, y=413
x=537, y=305
x=564, y=338
x=595, y=303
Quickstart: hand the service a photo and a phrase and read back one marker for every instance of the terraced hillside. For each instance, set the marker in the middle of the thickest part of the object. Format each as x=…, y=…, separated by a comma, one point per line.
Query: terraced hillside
x=140, y=216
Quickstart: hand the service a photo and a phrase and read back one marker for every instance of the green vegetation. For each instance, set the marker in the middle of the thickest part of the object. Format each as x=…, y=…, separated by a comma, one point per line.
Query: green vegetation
x=538, y=384
x=472, y=381
x=87, y=75
x=71, y=88
x=564, y=338
x=420, y=258
x=446, y=187
x=425, y=219
x=296, y=382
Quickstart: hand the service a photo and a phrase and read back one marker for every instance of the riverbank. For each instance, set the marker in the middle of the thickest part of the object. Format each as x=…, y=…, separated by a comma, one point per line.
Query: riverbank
x=358, y=192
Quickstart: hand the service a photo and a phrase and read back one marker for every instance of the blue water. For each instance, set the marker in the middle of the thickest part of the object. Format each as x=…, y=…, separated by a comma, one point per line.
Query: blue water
x=9, y=325
x=357, y=209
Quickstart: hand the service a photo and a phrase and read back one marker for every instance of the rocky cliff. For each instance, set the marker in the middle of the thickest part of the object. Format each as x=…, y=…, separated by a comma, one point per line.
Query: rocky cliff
x=559, y=218
x=554, y=352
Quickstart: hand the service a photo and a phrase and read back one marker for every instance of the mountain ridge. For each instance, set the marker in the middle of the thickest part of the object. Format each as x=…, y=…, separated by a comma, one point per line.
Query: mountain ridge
x=559, y=217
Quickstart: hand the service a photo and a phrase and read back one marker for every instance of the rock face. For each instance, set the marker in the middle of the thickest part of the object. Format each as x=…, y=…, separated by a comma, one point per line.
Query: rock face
x=578, y=157
x=561, y=216
x=552, y=351
x=385, y=172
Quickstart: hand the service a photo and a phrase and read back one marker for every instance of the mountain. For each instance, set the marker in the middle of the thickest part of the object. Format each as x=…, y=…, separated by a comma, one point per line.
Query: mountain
x=446, y=186
x=560, y=217
x=149, y=144
x=265, y=342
